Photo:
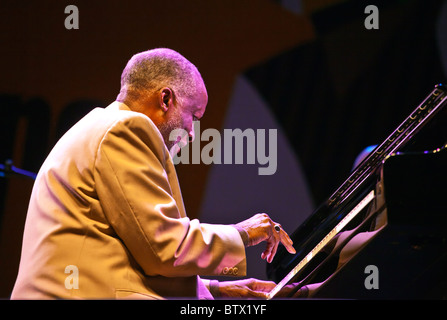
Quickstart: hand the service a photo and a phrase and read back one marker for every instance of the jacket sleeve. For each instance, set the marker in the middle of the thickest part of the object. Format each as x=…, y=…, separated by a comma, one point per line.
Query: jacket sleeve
x=135, y=193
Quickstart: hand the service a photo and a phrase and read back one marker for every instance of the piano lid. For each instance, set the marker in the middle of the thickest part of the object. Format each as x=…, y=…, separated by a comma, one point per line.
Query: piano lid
x=425, y=127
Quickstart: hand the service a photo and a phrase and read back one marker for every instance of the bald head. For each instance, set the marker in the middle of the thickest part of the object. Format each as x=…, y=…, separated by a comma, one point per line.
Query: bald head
x=152, y=70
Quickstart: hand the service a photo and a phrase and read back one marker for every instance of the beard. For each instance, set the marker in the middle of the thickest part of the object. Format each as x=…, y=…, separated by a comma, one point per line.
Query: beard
x=174, y=136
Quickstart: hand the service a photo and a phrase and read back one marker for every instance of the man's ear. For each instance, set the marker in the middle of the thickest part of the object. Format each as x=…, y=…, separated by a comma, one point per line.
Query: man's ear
x=166, y=98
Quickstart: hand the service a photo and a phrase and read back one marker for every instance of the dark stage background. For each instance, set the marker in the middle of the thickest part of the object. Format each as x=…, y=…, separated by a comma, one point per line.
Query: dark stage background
x=309, y=69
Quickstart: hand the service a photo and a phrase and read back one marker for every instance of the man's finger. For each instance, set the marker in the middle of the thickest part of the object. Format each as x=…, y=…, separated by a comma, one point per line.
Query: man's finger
x=287, y=242
x=268, y=249
x=272, y=245
x=273, y=252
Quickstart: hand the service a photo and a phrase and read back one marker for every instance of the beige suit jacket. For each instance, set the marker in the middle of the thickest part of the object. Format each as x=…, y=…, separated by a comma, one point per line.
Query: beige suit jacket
x=106, y=219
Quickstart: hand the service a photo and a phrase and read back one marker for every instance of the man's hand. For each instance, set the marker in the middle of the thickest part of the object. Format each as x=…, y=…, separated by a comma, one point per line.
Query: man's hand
x=261, y=228
x=246, y=288
x=251, y=288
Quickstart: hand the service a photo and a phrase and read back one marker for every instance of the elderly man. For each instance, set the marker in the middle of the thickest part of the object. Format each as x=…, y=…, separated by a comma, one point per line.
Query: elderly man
x=106, y=217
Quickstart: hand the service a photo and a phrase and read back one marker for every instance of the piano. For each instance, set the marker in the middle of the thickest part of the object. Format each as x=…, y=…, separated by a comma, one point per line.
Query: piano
x=383, y=233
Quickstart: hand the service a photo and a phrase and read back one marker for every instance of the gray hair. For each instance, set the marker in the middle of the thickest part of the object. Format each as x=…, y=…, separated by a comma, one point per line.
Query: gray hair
x=154, y=69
